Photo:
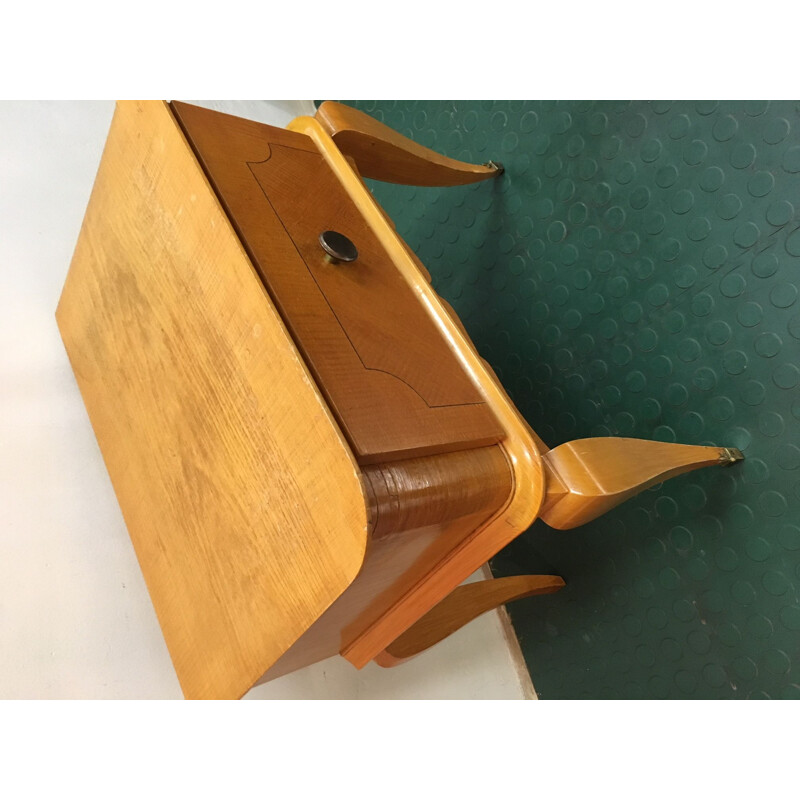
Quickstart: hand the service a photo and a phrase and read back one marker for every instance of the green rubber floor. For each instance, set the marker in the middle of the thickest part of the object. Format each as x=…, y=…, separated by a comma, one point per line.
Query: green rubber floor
x=635, y=273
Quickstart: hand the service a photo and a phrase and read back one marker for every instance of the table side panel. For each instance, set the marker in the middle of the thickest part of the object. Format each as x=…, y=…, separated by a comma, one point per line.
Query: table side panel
x=519, y=444
x=423, y=509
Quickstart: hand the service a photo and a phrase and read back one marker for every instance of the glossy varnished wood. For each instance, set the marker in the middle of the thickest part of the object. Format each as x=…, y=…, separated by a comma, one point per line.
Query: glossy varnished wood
x=226, y=365
x=421, y=510
x=241, y=497
x=464, y=545
x=460, y=607
x=394, y=565
x=587, y=477
x=386, y=155
x=383, y=321
x=409, y=494
x=392, y=380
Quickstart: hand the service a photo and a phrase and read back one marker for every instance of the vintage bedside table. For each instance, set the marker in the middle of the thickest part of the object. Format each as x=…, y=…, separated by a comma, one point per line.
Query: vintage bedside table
x=309, y=453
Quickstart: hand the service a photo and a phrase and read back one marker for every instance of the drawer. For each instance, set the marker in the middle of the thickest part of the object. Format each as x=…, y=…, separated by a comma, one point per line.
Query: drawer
x=390, y=378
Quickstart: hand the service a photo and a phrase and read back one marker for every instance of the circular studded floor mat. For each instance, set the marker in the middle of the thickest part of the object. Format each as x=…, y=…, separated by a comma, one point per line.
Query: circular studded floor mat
x=635, y=272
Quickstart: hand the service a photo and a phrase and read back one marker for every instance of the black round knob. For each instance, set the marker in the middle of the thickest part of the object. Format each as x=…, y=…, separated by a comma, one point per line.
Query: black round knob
x=338, y=246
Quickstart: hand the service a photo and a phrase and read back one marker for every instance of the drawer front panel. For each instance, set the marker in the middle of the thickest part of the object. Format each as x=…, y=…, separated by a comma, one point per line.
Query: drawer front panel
x=378, y=312
x=389, y=376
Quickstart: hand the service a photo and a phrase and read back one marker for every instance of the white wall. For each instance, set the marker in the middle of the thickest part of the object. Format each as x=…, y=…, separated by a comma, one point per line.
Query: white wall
x=75, y=617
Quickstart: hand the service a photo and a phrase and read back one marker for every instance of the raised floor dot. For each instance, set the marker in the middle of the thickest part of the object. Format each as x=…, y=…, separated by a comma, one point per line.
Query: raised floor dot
x=745, y=667
x=684, y=610
x=761, y=184
x=628, y=242
x=766, y=264
x=721, y=408
x=789, y=537
x=752, y=393
x=625, y=173
x=702, y=304
x=749, y=314
x=788, y=456
x=654, y=223
x=758, y=549
x=724, y=128
x=786, y=376
x=675, y=321
x=689, y=350
x=768, y=345
x=666, y=176
x=705, y=379
x=714, y=675
x=679, y=126
x=776, y=662
x=790, y=617
x=694, y=152
x=530, y=119
x=732, y=285
x=746, y=235
x=715, y=256
x=754, y=108
x=791, y=159
x=783, y=295
x=698, y=229
x=729, y=206
x=682, y=201
x=587, y=169
x=718, y=332
x=726, y=559
x=650, y=151
x=698, y=569
x=743, y=593
x=575, y=145
x=776, y=130
x=755, y=471
x=780, y=212
x=772, y=503
x=743, y=155
x=729, y=634
x=770, y=423
x=712, y=179
x=759, y=627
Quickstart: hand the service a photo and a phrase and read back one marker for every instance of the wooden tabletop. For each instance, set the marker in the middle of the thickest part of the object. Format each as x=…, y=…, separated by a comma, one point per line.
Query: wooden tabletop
x=241, y=497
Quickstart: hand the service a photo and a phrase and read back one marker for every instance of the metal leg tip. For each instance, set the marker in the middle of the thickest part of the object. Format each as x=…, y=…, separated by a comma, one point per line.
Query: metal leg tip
x=496, y=165
x=730, y=455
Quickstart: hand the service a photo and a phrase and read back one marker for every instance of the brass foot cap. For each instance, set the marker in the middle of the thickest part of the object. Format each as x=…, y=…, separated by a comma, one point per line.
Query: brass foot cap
x=730, y=455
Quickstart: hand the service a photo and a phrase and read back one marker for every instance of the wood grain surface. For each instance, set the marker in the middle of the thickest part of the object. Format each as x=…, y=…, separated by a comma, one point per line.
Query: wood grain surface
x=240, y=494
x=409, y=494
x=460, y=607
x=422, y=509
x=386, y=155
x=587, y=477
x=393, y=567
x=390, y=377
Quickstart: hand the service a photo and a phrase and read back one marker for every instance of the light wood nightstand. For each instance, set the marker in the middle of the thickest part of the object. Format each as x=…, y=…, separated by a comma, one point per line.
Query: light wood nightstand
x=308, y=451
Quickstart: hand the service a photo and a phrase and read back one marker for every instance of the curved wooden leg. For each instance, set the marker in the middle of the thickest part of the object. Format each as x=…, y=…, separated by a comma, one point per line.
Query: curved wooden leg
x=385, y=155
x=461, y=606
x=587, y=477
